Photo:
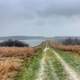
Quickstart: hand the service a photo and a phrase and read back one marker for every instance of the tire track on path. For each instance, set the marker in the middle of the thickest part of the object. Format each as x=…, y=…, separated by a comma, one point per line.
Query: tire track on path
x=41, y=74
x=72, y=75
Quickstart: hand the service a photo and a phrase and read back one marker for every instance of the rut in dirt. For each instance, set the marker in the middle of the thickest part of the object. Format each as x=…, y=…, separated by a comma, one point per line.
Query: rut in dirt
x=72, y=75
x=41, y=74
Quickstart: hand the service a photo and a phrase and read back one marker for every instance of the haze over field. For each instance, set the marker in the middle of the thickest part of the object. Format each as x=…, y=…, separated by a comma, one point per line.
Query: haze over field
x=40, y=17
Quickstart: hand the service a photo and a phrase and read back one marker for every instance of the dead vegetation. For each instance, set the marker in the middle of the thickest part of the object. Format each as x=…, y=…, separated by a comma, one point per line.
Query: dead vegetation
x=16, y=52
x=72, y=48
x=9, y=68
x=11, y=59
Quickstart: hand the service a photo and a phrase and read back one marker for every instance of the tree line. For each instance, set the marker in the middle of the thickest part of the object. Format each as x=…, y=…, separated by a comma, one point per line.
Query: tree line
x=71, y=41
x=13, y=43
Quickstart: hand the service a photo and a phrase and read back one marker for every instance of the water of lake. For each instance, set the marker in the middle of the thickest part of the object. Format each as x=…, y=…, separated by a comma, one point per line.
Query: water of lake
x=33, y=43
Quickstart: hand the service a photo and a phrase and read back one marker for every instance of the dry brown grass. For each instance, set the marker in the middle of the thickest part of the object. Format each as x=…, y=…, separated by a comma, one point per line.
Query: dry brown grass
x=11, y=59
x=72, y=48
x=9, y=68
x=16, y=52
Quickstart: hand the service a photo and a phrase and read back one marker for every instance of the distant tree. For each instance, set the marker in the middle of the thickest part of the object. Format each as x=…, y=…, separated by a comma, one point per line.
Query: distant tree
x=70, y=41
x=67, y=41
x=13, y=43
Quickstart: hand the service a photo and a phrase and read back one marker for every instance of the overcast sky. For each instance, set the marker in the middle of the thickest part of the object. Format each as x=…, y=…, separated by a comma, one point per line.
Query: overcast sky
x=40, y=17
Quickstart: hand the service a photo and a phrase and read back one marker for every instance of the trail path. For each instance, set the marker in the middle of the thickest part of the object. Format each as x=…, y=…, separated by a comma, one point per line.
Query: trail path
x=41, y=75
x=71, y=73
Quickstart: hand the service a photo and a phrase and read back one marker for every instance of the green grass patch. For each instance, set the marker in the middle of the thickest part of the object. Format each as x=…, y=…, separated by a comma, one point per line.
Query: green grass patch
x=73, y=59
x=30, y=67
x=58, y=68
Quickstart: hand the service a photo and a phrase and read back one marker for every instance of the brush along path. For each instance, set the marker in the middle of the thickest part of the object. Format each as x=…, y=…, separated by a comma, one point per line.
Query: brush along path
x=30, y=67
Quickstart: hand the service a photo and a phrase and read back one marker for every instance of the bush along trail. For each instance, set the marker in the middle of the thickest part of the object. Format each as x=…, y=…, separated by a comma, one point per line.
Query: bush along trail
x=30, y=67
x=51, y=64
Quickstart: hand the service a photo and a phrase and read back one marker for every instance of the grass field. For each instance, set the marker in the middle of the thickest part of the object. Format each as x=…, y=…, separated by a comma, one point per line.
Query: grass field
x=51, y=65
x=73, y=59
x=30, y=67
x=9, y=67
x=46, y=64
x=11, y=61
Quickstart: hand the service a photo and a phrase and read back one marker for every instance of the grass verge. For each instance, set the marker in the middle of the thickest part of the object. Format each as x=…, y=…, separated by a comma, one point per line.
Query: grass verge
x=58, y=68
x=30, y=67
x=73, y=59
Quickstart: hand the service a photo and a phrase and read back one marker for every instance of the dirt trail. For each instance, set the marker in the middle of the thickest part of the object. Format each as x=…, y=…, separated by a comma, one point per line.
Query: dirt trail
x=53, y=71
x=42, y=75
x=72, y=75
x=41, y=72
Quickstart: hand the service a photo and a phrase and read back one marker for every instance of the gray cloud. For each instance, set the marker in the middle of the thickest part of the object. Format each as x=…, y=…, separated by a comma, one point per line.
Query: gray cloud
x=40, y=7
x=61, y=7
x=34, y=16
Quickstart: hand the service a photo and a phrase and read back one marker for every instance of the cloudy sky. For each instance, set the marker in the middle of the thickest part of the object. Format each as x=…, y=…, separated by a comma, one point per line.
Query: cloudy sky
x=40, y=17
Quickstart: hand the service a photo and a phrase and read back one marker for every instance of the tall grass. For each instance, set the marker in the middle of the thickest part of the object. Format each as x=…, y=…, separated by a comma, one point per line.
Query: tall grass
x=30, y=68
x=16, y=52
x=11, y=60
x=9, y=68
